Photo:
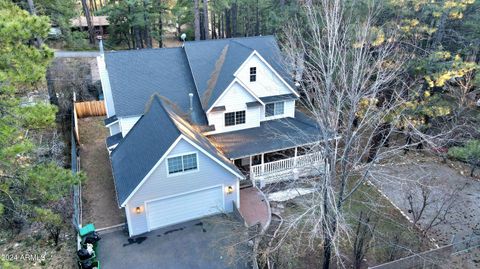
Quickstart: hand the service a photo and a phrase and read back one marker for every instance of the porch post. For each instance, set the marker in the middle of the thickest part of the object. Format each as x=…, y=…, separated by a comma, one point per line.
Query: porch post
x=295, y=159
x=263, y=163
x=251, y=169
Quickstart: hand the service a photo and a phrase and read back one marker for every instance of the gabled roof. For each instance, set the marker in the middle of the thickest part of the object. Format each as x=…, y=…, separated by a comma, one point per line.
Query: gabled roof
x=148, y=141
x=137, y=74
x=204, y=68
x=214, y=62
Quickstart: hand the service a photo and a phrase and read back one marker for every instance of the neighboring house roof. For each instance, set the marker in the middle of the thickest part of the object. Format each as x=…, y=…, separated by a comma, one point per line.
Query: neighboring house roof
x=96, y=21
x=271, y=136
x=148, y=141
x=137, y=74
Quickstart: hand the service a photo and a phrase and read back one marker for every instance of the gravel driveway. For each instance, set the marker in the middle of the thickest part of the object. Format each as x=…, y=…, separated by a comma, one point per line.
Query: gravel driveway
x=396, y=181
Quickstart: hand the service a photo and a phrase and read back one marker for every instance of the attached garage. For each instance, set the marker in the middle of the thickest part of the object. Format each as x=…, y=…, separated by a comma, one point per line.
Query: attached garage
x=165, y=173
x=184, y=207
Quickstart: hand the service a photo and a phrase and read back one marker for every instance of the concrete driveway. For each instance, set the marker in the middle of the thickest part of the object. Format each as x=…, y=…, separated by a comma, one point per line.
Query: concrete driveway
x=214, y=242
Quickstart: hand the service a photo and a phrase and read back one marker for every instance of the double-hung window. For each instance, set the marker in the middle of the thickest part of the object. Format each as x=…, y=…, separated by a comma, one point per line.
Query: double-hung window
x=234, y=118
x=253, y=74
x=182, y=163
x=274, y=109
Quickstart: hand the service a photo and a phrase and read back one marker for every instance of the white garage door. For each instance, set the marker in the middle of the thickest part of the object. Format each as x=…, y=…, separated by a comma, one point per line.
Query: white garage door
x=184, y=207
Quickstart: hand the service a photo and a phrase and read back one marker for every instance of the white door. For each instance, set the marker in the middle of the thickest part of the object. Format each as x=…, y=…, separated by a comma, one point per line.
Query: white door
x=184, y=207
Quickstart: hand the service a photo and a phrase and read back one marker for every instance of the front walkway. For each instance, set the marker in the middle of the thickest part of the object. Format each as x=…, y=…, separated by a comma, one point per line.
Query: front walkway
x=254, y=207
x=99, y=204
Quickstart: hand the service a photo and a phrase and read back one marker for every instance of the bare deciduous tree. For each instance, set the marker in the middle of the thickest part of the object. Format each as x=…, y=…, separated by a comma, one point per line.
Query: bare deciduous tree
x=348, y=79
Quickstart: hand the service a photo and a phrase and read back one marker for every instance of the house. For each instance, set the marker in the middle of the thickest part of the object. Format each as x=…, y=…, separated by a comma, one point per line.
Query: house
x=100, y=24
x=190, y=125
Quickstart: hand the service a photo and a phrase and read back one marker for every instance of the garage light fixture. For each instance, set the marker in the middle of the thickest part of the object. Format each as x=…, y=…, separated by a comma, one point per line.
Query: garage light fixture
x=138, y=210
x=229, y=189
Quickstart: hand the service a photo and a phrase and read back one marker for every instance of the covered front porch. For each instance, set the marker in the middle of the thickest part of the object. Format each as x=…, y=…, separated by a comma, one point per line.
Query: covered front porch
x=271, y=167
x=278, y=150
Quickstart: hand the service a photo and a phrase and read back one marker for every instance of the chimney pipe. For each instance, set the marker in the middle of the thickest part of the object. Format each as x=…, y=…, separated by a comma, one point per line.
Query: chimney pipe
x=100, y=44
x=191, y=101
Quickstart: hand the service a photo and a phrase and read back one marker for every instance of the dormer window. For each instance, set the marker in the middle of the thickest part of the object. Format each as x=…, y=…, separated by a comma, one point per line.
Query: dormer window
x=253, y=74
x=234, y=118
x=274, y=109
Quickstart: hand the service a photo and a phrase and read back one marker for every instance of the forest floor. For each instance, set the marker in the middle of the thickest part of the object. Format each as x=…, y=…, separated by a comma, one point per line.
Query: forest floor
x=31, y=249
x=98, y=192
x=394, y=237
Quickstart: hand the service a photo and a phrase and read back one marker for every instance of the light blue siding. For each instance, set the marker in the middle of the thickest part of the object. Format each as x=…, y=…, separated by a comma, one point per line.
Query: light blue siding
x=160, y=184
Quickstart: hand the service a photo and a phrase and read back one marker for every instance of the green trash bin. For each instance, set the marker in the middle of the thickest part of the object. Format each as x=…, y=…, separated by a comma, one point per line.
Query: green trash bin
x=86, y=229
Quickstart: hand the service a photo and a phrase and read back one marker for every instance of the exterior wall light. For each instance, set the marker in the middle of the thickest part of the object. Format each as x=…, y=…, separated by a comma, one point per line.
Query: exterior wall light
x=138, y=210
x=229, y=189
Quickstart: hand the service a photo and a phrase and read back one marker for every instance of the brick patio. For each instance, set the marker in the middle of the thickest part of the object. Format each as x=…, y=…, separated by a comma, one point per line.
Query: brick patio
x=254, y=207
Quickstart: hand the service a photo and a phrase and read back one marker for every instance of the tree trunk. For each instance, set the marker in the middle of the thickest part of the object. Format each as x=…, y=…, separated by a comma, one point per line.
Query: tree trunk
x=257, y=23
x=228, y=29
x=205, y=18
x=202, y=28
x=33, y=12
x=146, y=34
x=51, y=88
x=138, y=38
x=197, y=20
x=160, y=29
x=234, y=19
x=440, y=30
x=214, y=30
x=222, y=26
x=86, y=11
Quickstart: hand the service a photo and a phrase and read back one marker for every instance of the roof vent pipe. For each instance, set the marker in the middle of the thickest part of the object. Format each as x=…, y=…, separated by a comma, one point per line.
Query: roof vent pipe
x=191, y=101
x=100, y=44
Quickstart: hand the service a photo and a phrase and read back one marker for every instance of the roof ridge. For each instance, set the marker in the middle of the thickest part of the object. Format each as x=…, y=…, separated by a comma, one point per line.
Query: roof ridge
x=141, y=50
x=243, y=45
x=229, y=38
x=154, y=97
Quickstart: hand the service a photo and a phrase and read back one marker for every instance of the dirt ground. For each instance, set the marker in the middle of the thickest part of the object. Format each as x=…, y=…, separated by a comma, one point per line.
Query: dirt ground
x=396, y=179
x=98, y=192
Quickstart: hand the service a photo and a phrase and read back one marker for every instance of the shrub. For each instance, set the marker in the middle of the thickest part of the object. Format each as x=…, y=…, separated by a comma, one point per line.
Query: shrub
x=469, y=153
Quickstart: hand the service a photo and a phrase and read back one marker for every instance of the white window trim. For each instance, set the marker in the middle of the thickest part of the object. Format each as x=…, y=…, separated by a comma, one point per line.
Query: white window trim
x=183, y=172
x=274, y=105
x=240, y=124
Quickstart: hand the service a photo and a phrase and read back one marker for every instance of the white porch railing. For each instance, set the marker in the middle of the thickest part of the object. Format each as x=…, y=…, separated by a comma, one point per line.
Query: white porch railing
x=304, y=164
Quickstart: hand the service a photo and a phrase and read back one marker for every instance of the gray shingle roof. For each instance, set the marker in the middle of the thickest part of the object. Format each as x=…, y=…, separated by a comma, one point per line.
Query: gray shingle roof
x=276, y=98
x=136, y=75
x=204, y=68
x=113, y=139
x=213, y=62
x=148, y=141
x=272, y=135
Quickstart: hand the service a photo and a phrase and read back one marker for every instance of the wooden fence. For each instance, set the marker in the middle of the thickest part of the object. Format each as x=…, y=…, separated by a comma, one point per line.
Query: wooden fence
x=90, y=109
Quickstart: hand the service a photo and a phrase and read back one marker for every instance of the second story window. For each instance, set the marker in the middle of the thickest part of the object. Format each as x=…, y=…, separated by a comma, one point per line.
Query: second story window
x=253, y=74
x=234, y=118
x=274, y=109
